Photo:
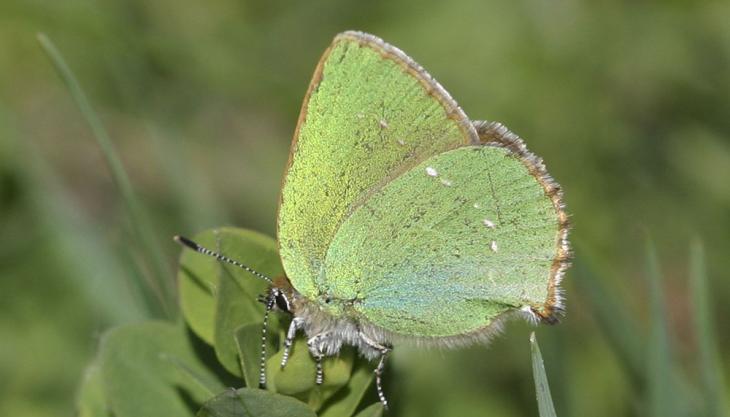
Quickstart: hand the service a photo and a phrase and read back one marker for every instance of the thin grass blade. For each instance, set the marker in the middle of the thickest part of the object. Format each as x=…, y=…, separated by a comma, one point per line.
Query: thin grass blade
x=542, y=389
x=713, y=385
x=88, y=259
x=160, y=279
x=662, y=390
x=614, y=319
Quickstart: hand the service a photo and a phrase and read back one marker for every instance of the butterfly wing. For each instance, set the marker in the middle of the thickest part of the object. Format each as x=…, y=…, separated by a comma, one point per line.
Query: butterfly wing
x=450, y=245
x=370, y=114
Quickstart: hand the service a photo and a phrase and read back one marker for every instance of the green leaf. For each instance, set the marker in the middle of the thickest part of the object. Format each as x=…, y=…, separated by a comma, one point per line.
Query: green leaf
x=662, y=394
x=235, y=325
x=345, y=401
x=712, y=382
x=159, y=281
x=544, y=399
x=247, y=402
x=298, y=377
x=373, y=410
x=248, y=341
x=210, y=386
x=140, y=380
x=91, y=400
x=198, y=283
x=237, y=303
x=217, y=299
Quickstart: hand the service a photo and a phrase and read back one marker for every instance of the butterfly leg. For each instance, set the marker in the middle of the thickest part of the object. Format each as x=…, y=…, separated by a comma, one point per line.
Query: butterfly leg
x=264, y=333
x=295, y=325
x=315, y=348
x=384, y=352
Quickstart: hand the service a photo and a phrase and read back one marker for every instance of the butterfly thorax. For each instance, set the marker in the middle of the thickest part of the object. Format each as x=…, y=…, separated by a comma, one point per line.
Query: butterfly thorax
x=333, y=320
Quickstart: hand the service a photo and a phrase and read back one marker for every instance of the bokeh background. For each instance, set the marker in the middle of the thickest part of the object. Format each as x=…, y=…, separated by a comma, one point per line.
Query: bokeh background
x=627, y=101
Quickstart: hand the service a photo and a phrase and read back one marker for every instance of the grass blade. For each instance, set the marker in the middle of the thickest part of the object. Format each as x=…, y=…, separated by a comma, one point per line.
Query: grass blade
x=621, y=331
x=77, y=250
x=544, y=399
x=662, y=392
x=89, y=260
x=712, y=382
x=614, y=319
x=160, y=281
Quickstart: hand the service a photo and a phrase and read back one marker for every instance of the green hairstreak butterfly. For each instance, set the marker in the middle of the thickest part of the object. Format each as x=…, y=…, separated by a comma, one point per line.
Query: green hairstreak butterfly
x=401, y=220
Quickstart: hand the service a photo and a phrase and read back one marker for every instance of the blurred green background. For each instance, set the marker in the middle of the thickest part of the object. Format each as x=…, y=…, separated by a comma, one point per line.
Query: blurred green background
x=628, y=102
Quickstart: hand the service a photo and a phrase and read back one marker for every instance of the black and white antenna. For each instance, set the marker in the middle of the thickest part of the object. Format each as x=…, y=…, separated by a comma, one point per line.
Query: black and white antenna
x=194, y=246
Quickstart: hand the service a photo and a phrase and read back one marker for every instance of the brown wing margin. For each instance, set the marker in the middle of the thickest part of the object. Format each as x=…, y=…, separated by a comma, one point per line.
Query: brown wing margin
x=496, y=134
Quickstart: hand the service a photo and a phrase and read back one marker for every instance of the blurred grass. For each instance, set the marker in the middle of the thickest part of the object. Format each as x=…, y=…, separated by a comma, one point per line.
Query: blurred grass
x=663, y=394
x=626, y=101
x=712, y=382
x=158, y=280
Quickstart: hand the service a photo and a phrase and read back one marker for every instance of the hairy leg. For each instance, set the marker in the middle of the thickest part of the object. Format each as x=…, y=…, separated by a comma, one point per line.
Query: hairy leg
x=315, y=348
x=384, y=351
x=295, y=325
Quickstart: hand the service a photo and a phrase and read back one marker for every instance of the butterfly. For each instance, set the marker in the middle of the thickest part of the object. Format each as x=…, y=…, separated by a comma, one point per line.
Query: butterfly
x=402, y=221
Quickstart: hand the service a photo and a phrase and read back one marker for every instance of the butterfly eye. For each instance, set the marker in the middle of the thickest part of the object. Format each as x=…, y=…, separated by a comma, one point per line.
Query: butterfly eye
x=282, y=302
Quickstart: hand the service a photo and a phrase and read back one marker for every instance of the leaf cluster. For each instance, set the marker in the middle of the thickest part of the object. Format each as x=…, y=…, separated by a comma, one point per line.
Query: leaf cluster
x=161, y=368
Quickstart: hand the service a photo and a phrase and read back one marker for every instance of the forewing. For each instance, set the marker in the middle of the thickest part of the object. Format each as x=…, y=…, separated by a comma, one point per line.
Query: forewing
x=370, y=114
x=450, y=245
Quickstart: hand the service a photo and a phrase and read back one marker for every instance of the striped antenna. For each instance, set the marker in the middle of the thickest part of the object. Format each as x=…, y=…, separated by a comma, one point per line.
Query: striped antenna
x=264, y=330
x=194, y=246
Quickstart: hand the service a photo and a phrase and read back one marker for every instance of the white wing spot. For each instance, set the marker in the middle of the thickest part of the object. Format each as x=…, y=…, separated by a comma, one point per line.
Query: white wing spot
x=446, y=182
x=431, y=172
x=383, y=124
x=401, y=142
x=360, y=115
x=488, y=223
x=490, y=276
x=477, y=205
x=493, y=246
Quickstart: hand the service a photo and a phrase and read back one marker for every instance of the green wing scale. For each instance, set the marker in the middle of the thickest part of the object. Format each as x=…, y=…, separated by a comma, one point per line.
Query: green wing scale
x=370, y=114
x=467, y=234
x=398, y=211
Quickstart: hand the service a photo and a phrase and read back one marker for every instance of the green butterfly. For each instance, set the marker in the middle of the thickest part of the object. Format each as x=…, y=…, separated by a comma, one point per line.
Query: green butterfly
x=401, y=220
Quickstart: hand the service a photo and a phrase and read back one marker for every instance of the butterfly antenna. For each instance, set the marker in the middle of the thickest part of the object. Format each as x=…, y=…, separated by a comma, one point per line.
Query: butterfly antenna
x=194, y=246
x=264, y=333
